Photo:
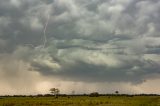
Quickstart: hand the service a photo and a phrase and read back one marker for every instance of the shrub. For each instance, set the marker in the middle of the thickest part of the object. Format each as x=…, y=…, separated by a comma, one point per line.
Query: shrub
x=94, y=94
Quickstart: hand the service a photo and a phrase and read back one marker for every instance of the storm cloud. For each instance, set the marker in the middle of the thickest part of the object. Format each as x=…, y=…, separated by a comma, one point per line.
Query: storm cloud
x=102, y=41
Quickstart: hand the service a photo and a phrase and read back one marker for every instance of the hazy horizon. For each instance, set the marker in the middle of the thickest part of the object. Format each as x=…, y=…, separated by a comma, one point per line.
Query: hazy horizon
x=80, y=45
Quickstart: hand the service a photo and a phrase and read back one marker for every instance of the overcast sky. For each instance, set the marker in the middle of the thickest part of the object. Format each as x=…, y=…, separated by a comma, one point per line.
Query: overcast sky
x=80, y=45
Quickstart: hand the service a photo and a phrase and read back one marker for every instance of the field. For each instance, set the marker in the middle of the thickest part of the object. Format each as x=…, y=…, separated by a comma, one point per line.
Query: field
x=81, y=101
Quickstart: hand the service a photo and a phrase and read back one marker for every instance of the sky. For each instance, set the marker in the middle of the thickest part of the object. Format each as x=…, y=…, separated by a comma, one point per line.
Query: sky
x=79, y=45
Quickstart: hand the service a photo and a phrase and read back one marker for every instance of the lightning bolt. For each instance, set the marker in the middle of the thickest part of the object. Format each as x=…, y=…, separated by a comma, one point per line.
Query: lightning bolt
x=44, y=32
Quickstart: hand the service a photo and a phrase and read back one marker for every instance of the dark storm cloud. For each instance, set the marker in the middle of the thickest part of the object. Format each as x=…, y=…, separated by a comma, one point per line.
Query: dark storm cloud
x=17, y=17
x=88, y=72
x=97, y=40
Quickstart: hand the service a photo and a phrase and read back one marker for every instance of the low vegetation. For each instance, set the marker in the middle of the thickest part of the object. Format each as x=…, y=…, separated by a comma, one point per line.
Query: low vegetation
x=75, y=100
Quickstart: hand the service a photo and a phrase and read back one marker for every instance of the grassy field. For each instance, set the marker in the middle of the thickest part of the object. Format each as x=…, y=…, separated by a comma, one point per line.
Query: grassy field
x=82, y=101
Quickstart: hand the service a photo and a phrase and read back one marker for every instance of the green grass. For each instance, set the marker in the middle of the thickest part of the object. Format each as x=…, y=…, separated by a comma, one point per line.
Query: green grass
x=82, y=101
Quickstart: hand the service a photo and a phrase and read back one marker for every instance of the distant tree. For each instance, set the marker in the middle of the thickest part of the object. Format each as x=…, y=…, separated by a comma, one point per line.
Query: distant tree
x=55, y=91
x=94, y=94
x=39, y=95
x=116, y=92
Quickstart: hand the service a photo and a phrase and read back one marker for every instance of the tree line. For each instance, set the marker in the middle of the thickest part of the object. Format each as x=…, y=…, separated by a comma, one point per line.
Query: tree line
x=56, y=92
